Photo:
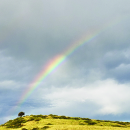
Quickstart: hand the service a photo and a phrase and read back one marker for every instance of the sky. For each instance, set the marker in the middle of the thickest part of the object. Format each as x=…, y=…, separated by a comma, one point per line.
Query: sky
x=92, y=80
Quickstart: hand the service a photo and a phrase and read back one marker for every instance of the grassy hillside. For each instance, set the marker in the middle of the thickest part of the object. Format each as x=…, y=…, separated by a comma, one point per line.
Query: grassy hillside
x=55, y=122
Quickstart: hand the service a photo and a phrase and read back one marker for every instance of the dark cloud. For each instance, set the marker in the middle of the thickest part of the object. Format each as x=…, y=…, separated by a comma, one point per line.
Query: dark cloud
x=116, y=65
x=37, y=32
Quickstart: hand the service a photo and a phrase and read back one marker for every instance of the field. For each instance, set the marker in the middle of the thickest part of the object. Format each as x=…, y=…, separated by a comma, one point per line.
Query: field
x=55, y=122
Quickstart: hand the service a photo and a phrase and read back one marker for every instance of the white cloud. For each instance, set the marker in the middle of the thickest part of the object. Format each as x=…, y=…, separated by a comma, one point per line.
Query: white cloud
x=111, y=97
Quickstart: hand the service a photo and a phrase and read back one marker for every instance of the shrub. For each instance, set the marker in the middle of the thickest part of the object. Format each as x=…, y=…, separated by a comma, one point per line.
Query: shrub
x=81, y=123
x=83, y=118
x=63, y=117
x=16, y=123
x=56, y=117
x=31, y=119
x=24, y=129
x=35, y=128
x=41, y=116
x=116, y=121
x=19, y=120
x=116, y=125
x=123, y=123
x=44, y=117
x=45, y=127
x=8, y=122
x=49, y=124
x=90, y=122
x=51, y=115
x=2, y=124
x=98, y=120
x=68, y=117
x=37, y=119
x=86, y=119
x=76, y=118
x=107, y=121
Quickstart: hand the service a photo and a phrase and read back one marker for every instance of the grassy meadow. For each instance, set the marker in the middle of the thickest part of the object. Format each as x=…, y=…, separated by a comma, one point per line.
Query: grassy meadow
x=55, y=122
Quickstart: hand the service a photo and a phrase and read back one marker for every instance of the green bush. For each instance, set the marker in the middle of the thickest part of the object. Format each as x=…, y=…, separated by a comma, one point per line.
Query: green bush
x=90, y=122
x=31, y=119
x=98, y=120
x=49, y=124
x=123, y=123
x=16, y=123
x=2, y=125
x=40, y=116
x=51, y=115
x=107, y=121
x=45, y=127
x=76, y=118
x=56, y=117
x=115, y=121
x=116, y=125
x=81, y=123
x=37, y=119
x=85, y=119
x=35, y=128
x=44, y=117
x=24, y=129
x=68, y=118
x=63, y=117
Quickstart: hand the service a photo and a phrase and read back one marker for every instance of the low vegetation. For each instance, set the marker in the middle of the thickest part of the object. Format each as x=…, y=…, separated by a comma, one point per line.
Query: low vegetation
x=55, y=122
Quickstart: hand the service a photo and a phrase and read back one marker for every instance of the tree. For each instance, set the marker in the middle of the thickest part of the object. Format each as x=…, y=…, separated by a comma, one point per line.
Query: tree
x=21, y=114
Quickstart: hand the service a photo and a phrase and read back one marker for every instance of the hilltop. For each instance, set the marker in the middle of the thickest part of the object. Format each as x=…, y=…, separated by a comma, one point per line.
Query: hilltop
x=55, y=122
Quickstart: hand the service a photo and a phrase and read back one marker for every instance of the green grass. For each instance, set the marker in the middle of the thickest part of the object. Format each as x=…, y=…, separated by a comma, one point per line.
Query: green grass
x=55, y=122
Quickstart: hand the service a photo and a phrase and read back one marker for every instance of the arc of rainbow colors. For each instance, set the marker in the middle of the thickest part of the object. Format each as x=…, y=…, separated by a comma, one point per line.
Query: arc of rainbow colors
x=56, y=61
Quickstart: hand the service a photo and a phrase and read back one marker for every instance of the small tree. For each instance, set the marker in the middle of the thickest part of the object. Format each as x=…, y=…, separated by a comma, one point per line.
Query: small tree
x=21, y=114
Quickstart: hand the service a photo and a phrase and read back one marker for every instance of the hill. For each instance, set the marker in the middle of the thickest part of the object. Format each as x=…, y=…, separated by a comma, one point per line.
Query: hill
x=55, y=122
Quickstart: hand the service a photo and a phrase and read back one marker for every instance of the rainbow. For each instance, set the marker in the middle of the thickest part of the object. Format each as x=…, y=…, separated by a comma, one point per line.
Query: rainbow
x=59, y=59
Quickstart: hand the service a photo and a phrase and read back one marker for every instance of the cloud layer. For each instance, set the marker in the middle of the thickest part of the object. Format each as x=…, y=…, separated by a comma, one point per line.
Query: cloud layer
x=93, y=81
